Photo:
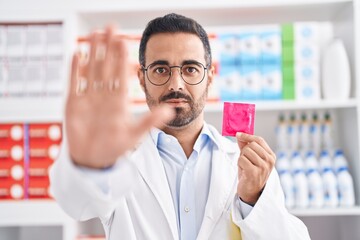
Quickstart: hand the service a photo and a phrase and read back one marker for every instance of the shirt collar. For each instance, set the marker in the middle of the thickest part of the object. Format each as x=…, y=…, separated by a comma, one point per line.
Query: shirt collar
x=205, y=132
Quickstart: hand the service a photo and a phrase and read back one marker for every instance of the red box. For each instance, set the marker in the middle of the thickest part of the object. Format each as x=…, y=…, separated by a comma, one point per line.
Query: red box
x=12, y=183
x=38, y=187
x=13, y=133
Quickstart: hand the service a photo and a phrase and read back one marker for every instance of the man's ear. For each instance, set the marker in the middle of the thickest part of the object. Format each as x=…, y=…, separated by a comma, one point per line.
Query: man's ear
x=141, y=77
x=211, y=74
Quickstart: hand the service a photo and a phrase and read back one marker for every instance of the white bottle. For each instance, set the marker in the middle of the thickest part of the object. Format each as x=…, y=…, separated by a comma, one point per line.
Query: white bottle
x=293, y=132
x=339, y=160
x=316, y=188
x=315, y=134
x=329, y=181
x=300, y=181
x=325, y=161
x=286, y=179
x=346, y=187
x=327, y=132
x=281, y=134
x=336, y=79
x=304, y=133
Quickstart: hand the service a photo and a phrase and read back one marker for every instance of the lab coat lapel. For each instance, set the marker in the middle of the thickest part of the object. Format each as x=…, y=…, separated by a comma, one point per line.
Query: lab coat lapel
x=222, y=185
x=153, y=173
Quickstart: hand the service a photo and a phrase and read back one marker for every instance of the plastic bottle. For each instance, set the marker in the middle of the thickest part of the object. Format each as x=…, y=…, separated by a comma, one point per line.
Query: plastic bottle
x=315, y=134
x=346, y=187
x=327, y=132
x=315, y=182
x=281, y=134
x=293, y=132
x=286, y=179
x=339, y=160
x=329, y=181
x=304, y=133
x=300, y=181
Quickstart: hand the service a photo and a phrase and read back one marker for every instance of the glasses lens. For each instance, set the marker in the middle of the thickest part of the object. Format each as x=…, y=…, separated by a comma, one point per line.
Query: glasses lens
x=193, y=73
x=158, y=74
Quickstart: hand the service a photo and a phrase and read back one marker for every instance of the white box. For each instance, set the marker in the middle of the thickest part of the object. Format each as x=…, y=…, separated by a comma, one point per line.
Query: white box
x=270, y=44
x=271, y=81
x=249, y=46
x=54, y=76
x=307, y=72
x=251, y=82
x=54, y=40
x=34, y=74
x=306, y=52
x=2, y=78
x=307, y=81
x=15, y=76
x=35, y=40
x=2, y=42
x=306, y=32
x=15, y=41
x=229, y=83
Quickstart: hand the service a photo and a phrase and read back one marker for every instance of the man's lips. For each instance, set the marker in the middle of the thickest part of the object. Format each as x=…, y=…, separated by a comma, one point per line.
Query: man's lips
x=176, y=101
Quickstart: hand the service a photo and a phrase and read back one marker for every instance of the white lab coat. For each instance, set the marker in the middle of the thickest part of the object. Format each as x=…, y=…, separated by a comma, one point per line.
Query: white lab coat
x=146, y=211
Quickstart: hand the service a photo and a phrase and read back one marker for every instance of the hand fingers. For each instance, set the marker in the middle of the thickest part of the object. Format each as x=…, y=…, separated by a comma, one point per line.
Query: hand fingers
x=157, y=117
x=121, y=65
x=93, y=62
x=243, y=139
x=108, y=62
x=73, y=84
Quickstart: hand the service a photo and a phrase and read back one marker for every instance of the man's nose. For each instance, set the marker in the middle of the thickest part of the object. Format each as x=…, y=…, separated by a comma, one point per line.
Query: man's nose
x=176, y=82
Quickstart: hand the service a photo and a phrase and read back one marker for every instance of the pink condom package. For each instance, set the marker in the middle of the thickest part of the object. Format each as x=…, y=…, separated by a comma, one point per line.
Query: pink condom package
x=238, y=117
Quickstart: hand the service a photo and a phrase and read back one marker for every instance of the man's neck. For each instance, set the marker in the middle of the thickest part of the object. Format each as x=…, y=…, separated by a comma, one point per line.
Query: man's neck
x=187, y=136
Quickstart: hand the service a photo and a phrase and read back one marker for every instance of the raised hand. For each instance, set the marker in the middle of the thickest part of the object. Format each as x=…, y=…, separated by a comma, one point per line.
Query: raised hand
x=255, y=164
x=98, y=122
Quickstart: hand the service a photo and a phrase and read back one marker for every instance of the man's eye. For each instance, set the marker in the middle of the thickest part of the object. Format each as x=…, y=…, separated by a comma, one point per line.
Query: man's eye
x=191, y=70
x=160, y=70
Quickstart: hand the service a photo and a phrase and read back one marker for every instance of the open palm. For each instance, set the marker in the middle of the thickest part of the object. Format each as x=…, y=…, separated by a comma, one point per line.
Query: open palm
x=98, y=123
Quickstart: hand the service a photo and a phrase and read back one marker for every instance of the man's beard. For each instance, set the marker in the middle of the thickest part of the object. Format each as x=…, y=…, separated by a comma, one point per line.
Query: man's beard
x=184, y=115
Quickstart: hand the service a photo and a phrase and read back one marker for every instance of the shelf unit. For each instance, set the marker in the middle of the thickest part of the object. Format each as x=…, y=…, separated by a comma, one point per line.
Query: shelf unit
x=82, y=16
x=36, y=213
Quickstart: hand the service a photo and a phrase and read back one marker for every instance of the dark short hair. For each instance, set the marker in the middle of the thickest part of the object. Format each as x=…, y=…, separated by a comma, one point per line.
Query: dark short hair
x=174, y=23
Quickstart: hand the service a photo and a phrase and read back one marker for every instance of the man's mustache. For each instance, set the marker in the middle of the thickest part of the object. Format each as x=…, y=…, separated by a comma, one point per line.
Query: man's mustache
x=175, y=95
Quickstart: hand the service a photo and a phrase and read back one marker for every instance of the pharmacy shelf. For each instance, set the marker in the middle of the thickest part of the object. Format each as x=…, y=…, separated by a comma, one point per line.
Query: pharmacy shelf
x=94, y=14
x=37, y=213
x=280, y=105
x=32, y=213
x=36, y=109
x=318, y=212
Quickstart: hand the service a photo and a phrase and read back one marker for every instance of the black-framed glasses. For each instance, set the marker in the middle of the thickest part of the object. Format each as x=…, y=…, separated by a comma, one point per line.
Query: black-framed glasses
x=159, y=73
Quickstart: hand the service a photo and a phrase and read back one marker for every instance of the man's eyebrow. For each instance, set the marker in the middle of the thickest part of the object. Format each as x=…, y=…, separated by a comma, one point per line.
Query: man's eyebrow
x=190, y=61
x=160, y=62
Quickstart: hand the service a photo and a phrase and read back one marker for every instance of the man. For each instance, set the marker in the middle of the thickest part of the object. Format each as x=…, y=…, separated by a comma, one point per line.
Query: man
x=183, y=180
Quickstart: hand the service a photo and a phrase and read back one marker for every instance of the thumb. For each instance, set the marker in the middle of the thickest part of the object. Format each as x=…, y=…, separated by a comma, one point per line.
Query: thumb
x=241, y=139
x=157, y=118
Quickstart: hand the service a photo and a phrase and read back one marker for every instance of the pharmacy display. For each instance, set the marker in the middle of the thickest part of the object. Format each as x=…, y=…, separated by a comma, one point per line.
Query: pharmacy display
x=26, y=153
x=31, y=60
x=314, y=172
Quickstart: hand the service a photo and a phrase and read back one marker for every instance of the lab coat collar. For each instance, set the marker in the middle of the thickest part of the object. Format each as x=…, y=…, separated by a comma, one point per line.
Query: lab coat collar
x=223, y=183
x=152, y=171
